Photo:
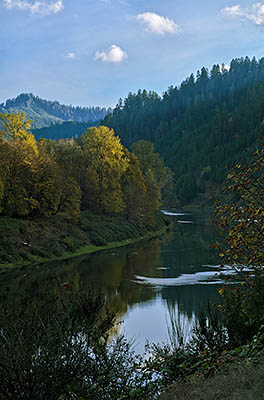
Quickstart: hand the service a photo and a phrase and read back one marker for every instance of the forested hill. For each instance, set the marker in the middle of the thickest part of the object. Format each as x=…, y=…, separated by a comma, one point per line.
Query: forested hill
x=45, y=112
x=64, y=130
x=201, y=127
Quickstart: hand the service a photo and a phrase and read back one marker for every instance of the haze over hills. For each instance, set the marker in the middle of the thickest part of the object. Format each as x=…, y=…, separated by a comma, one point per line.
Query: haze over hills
x=46, y=113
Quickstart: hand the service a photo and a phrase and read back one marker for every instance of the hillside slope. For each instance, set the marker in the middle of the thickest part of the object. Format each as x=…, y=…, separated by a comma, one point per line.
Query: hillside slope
x=45, y=112
x=64, y=130
x=201, y=127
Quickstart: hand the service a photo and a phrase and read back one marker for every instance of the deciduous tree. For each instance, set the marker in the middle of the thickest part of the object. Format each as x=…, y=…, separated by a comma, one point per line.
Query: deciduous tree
x=106, y=162
x=242, y=221
x=15, y=127
x=134, y=190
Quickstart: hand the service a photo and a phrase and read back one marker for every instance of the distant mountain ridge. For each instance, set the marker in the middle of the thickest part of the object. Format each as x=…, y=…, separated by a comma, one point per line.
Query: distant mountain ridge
x=45, y=113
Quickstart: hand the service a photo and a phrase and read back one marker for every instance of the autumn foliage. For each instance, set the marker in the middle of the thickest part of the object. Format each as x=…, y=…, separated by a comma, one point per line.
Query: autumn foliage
x=241, y=225
x=241, y=222
x=95, y=172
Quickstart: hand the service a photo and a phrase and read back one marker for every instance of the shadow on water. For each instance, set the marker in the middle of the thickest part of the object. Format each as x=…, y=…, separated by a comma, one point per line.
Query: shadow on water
x=142, y=283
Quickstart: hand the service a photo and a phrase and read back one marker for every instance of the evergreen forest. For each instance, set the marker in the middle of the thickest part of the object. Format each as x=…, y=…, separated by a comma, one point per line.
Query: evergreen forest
x=201, y=127
x=103, y=184
x=65, y=130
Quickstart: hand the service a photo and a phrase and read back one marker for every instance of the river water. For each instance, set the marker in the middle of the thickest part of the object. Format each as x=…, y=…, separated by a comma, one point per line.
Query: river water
x=175, y=279
x=145, y=283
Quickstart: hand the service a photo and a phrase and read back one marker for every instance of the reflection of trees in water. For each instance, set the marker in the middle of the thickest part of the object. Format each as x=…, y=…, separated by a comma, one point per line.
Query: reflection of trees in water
x=52, y=346
x=179, y=324
x=185, y=305
x=113, y=272
x=110, y=273
x=192, y=245
x=192, y=299
x=115, y=275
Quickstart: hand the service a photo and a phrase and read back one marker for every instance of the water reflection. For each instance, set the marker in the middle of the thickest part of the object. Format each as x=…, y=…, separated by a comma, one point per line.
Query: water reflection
x=180, y=325
x=142, y=283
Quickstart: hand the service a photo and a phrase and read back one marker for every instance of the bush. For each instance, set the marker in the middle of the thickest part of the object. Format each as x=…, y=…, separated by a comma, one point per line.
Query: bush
x=62, y=353
x=70, y=244
x=243, y=309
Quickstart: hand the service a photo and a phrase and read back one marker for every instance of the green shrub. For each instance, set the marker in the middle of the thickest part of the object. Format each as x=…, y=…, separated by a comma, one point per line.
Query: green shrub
x=243, y=309
x=62, y=352
x=40, y=252
x=70, y=244
x=35, y=347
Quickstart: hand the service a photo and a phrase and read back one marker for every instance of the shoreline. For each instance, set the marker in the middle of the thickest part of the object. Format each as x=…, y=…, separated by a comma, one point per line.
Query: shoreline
x=85, y=250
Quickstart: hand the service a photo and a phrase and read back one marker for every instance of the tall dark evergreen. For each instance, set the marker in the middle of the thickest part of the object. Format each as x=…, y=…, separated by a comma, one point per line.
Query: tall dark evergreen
x=200, y=127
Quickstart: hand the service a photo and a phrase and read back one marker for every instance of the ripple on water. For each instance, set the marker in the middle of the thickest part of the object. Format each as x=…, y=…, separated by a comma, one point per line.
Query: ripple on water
x=172, y=213
x=199, y=278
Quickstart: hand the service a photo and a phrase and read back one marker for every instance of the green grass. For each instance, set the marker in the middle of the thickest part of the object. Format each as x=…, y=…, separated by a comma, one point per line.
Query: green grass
x=25, y=241
x=92, y=248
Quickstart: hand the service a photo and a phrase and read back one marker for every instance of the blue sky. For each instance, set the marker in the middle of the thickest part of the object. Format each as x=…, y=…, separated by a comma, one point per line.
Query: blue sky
x=92, y=52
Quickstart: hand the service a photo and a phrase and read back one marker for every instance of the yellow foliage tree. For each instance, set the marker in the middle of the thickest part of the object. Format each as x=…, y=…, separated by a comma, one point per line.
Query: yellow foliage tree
x=105, y=164
x=134, y=190
x=33, y=182
x=241, y=222
x=18, y=153
x=52, y=190
x=15, y=127
x=16, y=164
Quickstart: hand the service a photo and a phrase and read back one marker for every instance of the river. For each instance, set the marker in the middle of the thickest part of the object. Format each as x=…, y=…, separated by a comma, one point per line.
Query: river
x=145, y=284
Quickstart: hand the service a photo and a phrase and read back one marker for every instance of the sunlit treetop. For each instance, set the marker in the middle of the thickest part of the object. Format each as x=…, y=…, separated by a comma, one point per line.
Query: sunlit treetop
x=15, y=127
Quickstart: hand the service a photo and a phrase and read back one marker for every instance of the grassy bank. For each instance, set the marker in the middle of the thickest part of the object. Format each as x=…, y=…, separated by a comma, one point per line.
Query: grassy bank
x=26, y=241
x=241, y=382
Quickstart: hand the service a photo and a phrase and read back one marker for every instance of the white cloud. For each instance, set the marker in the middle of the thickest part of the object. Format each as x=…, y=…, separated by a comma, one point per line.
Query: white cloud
x=35, y=7
x=157, y=24
x=71, y=55
x=113, y=54
x=255, y=14
x=232, y=11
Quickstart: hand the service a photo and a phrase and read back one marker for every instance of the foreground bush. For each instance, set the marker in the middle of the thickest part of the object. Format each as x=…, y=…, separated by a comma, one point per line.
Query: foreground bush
x=57, y=350
x=226, y=338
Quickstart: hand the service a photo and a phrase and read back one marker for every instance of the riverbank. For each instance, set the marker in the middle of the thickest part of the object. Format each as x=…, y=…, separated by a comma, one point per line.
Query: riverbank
x=27, y=241
x=245, y=382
